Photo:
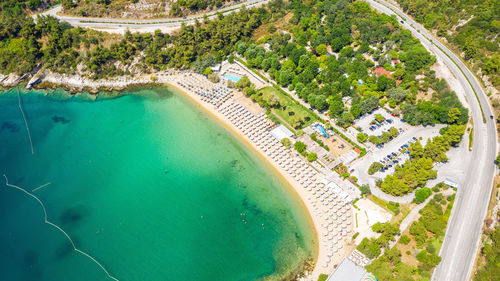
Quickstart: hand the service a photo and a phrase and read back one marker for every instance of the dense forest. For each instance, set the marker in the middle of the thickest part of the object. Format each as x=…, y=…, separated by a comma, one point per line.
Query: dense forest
x=26, y=45
x=138, y=9
x=183, y=7
x=490, y=252
x=329, y=50
x=323, y=50
x=471, y=25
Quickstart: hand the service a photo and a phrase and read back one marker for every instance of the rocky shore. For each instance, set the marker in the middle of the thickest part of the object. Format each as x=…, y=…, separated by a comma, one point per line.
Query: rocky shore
x=77, y=83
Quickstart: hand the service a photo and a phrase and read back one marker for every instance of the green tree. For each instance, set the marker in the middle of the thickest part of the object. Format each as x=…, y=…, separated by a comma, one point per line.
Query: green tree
x=286, y=142
x=362, y=137
x=374, y=140
x=422, y=194
x=453, y=115
x=374, y=167
x=321, y=49
x=365, y=189
x=404, y=239
x=299, y=146
x=243, y=82
x=312, y=157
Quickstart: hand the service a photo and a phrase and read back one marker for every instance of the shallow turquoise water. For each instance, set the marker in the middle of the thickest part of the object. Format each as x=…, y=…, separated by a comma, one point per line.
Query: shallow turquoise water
x=147, y=184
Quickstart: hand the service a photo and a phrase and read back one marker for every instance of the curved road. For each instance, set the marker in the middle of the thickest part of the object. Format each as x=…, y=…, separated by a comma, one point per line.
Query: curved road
x=464, y=227
x=137, y=25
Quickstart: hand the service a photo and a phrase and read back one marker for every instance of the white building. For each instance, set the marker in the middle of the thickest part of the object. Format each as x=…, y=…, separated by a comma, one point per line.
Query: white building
x=347, y=271
x=281, y=132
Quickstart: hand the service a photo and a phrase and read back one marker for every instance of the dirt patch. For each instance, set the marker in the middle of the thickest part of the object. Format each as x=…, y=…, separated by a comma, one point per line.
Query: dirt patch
x=408, y=259
x=336, y=144
x=425, y=95
x=251, y=106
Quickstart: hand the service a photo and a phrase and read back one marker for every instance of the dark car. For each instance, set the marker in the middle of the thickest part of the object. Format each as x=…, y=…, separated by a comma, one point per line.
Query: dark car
x=401, y=21
x=491, y=116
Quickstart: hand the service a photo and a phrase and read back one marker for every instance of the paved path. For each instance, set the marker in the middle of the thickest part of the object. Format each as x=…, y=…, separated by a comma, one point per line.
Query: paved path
x=414, y=213
x=464, y=228
x=149, y=25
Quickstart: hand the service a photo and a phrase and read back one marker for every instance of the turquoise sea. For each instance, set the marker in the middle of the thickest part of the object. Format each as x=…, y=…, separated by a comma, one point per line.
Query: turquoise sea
x=147, y=184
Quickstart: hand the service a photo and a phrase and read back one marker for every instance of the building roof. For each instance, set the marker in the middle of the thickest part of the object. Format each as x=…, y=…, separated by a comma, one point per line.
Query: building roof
x=216, y=67
x=281, y=132
x=451, y=183
x=347, y=270
x=381, y=71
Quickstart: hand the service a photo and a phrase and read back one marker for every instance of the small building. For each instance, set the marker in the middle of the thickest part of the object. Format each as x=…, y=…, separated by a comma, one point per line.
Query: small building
x=347, y=271
x=381, y=71
x=281, y=132
x=451, y=183
x=216, y=68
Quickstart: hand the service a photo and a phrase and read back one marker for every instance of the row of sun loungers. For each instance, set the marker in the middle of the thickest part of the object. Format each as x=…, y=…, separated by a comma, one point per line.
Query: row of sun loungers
x=333, y=210
x=214, y=94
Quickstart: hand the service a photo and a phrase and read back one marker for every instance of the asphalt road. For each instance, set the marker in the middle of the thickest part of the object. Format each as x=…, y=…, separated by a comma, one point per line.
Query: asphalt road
x=464, y=228
x=149, y=25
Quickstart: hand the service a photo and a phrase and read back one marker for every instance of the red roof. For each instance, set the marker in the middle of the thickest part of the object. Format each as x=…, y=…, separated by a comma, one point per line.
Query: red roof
x=395, y=61
x=380, y=71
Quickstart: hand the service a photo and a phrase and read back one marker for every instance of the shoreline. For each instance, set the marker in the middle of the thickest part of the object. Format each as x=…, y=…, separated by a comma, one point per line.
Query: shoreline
x=115, y=87
x=224, y=122
x=305, y=198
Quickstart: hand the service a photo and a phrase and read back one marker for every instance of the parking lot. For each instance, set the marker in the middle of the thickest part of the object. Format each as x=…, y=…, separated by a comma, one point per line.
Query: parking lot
x=395, y=150
x=370, y=126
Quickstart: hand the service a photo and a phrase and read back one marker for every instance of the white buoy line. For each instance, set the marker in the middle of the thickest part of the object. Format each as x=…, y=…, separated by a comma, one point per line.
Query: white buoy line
x=25, y=121
x=57, y=227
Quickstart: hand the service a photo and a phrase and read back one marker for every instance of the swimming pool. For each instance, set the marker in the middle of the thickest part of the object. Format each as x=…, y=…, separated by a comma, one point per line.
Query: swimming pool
x=231, y=77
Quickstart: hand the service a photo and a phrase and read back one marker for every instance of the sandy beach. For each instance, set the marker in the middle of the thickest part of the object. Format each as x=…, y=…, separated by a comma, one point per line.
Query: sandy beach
x=310, y=203
x=313, y=204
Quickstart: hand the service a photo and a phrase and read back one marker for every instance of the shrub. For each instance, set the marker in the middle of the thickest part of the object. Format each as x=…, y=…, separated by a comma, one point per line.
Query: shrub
x=430, y=248
x=299, y=146
x=374, y=167
x=322, y=277
x=438, y=197
x=422, y=194
x=374, y=139
x=421, y=257
x=365, y=189
x=362, y=137
x=394, y=207
x=404, y=240
x=379, y=117
x=286, y=142
x=312, y=157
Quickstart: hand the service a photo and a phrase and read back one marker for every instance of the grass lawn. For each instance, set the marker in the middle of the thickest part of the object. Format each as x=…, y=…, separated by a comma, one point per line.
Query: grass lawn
x=288, y=108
